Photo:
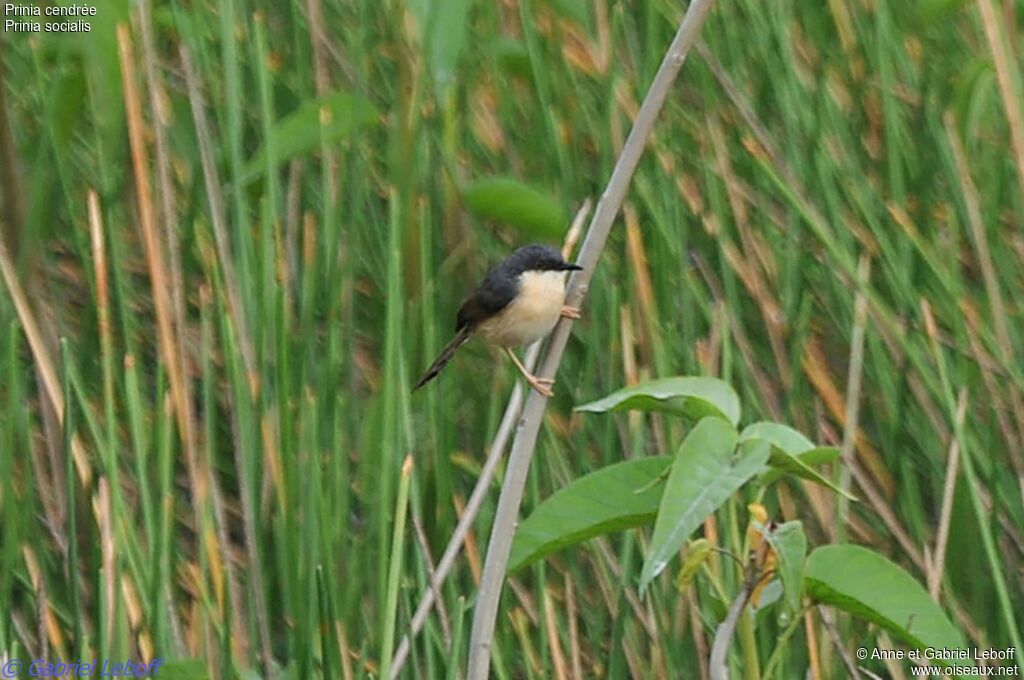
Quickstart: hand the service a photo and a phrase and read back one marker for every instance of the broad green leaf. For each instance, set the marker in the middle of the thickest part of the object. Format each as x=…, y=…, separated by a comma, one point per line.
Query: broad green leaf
x=336, y=115
x=694, y=398
x=511, y=202
x=617, y=497
x=782, y=463
x=708, y=468
x=780, y=436
x=869, y=586
x=447, y=36
x=442, y=33
x=790, y=546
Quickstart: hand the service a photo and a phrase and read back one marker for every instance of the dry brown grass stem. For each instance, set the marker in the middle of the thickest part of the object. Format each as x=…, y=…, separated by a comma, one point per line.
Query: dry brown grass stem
x=45, y=365
x=201, y=479
x=938, y=561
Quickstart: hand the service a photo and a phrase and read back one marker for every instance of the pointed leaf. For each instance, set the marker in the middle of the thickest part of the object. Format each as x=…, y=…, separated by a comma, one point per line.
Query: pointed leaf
x=707, y=470
x=693, y=397
x=617, y=497
x=783, y=463
x=447, y=36
x=778, y=435
x=337, y=115
x=792, y=454
x=790, y=545
x=513, y=203
x=816, y=456
x=869, y=586
x=441, y=30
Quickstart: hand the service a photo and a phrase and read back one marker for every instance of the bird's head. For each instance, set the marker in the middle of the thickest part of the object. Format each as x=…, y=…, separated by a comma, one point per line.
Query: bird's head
x=538, y=258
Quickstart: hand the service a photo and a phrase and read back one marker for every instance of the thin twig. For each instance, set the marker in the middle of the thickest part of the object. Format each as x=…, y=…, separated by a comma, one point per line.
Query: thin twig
x=428, y=562
x=476, y=499
x=718, y=667
x=937, y=563
x=837, y=642
x=503, y=531
x=854, y=376
x=574, y=633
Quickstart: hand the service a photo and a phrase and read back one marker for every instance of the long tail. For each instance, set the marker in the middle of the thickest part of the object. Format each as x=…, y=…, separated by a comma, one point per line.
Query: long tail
x=446, y=355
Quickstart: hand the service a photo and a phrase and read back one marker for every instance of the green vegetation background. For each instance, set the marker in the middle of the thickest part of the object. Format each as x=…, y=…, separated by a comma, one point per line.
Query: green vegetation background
x=236, y=342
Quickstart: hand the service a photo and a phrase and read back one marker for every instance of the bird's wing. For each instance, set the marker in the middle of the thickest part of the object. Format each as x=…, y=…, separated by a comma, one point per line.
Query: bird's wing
x=486, y=301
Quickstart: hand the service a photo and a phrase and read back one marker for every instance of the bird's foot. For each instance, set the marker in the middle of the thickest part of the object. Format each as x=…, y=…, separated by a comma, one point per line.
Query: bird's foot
x=542, y=385
x=570, y=312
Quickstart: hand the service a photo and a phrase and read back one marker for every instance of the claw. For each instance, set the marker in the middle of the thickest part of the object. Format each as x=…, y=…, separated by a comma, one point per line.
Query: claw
x=542, y=385
x=570, y=312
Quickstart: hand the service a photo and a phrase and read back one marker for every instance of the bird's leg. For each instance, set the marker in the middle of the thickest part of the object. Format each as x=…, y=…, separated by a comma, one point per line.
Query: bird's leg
x=570, y=312
x=542, y=385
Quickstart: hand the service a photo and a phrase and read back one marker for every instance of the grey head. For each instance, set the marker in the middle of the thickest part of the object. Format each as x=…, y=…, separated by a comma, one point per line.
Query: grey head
x=534, y=257
x=501, y=284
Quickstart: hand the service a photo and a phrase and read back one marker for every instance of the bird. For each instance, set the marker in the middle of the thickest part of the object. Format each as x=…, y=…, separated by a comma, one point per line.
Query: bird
x=518, y=302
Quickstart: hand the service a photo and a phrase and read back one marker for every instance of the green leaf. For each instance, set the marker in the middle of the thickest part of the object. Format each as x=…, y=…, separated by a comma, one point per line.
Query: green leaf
x=617, y=497
x=782, y=463
x=511, y=202
x=442, y=27
x=697, y=554
x=790, y=545
x=780, y=436
x=792, y=453
x=447, y=36
x=337, y=116
x=869, y=586
x=819, y=455
x=694, y=398
x=707, y=470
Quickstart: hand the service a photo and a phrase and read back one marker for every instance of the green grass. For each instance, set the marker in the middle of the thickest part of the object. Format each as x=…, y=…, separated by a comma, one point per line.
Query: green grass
x=237, y=498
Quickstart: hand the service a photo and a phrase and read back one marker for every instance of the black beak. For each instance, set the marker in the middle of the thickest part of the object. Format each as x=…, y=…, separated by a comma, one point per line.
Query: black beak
x=567, y=267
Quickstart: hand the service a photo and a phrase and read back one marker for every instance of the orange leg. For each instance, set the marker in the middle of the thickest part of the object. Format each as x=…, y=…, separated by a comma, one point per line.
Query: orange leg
x=570, y=312
x=542, y=385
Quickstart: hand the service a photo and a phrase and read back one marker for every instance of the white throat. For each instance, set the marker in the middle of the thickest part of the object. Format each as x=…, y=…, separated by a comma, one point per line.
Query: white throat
x=533, y=312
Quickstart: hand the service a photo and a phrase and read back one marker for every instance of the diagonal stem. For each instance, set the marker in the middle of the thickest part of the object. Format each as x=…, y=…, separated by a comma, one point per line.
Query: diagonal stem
x=487, y=472
x=507, y=515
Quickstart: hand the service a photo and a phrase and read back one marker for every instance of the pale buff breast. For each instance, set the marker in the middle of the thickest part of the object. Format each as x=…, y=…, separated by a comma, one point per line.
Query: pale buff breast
x=532, y=314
